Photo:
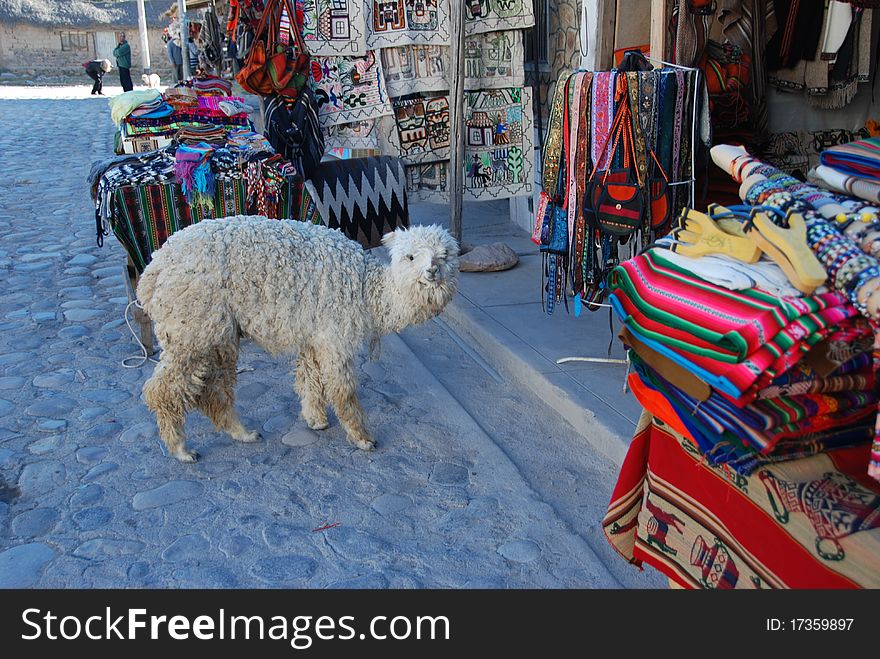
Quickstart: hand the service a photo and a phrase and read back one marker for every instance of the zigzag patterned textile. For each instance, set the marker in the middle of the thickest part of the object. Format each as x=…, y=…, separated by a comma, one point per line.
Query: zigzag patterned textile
x=364, y=197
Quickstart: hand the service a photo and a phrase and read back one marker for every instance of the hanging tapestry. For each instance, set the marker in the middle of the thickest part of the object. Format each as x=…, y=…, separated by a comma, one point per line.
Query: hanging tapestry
x=349, y=88
x=334, y=27
x=413, y=69
x=499, y=143
x=489, y=15
x=493, y=59
x=419, y=130
x=356, y=135
x=428, y=182
x=401, y=22
x=489, y=62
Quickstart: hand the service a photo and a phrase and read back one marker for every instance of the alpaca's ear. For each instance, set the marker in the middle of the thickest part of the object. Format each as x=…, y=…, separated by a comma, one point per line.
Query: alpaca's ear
x=389, y=238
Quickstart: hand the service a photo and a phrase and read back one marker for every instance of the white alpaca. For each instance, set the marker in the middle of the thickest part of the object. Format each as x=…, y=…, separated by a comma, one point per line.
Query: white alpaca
x=290, y=287
x=151, y=80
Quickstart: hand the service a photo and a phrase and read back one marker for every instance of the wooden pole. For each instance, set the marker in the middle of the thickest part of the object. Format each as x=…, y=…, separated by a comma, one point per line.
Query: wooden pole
x=184, y=38
x=456, y=118
x=658, y=31
x=142, y=32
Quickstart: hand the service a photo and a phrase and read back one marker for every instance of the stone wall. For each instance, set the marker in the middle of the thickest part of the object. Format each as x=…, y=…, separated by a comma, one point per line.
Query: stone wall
x=564, y=47
x=35, y=53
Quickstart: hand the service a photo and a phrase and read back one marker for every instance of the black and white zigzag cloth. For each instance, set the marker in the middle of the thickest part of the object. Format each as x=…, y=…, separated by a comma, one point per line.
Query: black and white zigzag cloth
x=364, y=197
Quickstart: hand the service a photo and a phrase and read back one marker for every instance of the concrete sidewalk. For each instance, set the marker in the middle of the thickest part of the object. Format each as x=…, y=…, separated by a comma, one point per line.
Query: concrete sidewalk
x=501, y=316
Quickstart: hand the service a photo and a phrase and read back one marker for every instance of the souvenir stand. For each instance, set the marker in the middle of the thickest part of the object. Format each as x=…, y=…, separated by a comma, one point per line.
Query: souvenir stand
x=750, y=327
x=186, y=155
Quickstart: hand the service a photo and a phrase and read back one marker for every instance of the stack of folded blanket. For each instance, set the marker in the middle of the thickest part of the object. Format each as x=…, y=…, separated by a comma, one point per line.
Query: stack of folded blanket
x=747, y=366
x=853, y=168
x=206, y=133
x=210, y=86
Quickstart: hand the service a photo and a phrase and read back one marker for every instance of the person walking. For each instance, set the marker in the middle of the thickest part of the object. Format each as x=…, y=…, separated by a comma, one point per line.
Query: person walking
x=122, y=53
x=96, y=69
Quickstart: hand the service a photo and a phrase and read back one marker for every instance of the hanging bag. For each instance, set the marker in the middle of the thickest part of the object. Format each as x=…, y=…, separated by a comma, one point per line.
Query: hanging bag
x=617, y=202
x=661, y=199
x=289, y=62
x=254, y=76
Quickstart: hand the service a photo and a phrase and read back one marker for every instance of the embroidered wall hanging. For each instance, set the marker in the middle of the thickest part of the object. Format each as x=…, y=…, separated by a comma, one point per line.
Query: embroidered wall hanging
x=419, y=130
x=334, y=27
x=499, y=143
x=428, y=182
x=493, y=60
x=356, y=135
x=349, y=88
x=499, y=150
x=402, y=22
x=489, y=15
x=413, y=69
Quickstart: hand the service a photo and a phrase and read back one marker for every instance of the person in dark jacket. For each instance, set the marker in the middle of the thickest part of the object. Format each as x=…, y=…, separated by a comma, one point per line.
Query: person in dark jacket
x=96, y=69
x=122, y=53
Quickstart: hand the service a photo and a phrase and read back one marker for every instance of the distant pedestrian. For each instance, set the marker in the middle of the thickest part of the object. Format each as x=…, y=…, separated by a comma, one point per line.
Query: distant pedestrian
x=193, y=51
x=122, y=53
x=96, y=69
x=175, y=56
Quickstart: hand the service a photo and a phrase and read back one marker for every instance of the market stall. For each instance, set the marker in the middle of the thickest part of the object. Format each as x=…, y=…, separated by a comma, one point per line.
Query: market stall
x=750, y=319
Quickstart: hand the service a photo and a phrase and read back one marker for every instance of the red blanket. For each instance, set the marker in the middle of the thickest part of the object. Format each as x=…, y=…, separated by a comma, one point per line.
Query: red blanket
x=807, y=523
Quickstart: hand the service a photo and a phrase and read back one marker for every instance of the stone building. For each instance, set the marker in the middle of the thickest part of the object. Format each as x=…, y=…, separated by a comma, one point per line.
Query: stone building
x=47, y=40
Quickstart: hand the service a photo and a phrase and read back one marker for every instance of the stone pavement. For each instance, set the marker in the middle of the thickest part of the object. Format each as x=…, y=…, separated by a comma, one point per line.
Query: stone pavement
x=502, y=314
x=88, y=500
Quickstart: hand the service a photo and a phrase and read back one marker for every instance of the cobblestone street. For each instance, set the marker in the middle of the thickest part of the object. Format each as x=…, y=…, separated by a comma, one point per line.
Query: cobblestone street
x=87, y=498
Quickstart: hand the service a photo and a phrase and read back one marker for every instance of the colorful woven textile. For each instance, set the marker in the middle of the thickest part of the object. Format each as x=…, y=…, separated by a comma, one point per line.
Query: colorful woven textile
x=731, y=435
x=147, y=214
x=192, y=167
x=860, y=158
x=737, y=341
x=807, y=523
x=364, y=197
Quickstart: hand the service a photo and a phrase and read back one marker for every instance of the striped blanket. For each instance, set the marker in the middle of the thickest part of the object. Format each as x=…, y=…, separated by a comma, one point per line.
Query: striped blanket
x=860, y=158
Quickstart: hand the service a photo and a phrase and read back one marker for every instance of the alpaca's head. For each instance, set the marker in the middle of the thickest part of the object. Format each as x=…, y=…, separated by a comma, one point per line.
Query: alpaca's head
x=424, y=264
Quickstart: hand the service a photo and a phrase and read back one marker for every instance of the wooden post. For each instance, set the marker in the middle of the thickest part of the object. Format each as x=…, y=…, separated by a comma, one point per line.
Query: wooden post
x=184, y=38
x=658, y=31
x=606, y=19
x=142, y=32
x=456, y=118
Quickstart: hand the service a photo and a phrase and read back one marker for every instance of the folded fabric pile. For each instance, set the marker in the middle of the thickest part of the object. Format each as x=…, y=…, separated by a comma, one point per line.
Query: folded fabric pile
x=154, y=109
x=228, y=106
x=242, y=140
x=208, y=85
x=150, y=114
x=124, y=104
x=206, y=133
x=853, y=168
x=750, y=376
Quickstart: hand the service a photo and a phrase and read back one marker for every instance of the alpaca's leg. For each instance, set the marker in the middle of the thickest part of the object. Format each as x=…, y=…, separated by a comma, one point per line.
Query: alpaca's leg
x=340, y=386
x=218, y=397
x=167, y=393
x=310, y=389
